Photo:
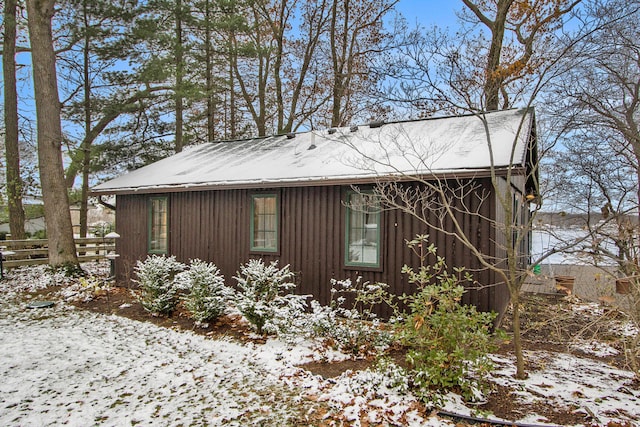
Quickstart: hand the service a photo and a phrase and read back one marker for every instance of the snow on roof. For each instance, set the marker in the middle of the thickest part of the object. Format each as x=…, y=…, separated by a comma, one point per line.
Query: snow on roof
x=419, y=147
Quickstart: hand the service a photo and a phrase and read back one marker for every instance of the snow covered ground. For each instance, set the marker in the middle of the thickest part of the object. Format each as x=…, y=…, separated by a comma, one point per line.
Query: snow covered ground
x=60, y=366
x=64, y=366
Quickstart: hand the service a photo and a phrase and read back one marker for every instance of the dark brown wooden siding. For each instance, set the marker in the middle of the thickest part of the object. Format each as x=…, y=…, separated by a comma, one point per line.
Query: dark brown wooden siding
x=214, y=226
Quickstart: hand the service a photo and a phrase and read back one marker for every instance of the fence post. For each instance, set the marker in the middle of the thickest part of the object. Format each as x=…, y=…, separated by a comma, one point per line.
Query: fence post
x=3, y=252
x=112, y=257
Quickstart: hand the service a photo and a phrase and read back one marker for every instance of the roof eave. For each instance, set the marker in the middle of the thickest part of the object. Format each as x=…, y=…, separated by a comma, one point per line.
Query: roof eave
x=311, y=182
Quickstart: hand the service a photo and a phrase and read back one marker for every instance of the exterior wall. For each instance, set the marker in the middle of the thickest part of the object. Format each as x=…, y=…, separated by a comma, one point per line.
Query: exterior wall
x=215, y=226
x=501, y=239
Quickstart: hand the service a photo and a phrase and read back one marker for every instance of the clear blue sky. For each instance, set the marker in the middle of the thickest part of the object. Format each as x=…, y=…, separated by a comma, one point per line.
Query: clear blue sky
x=428, y=12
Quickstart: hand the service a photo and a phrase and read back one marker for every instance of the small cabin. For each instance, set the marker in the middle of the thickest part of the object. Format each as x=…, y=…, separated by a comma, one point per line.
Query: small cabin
x=302, y=199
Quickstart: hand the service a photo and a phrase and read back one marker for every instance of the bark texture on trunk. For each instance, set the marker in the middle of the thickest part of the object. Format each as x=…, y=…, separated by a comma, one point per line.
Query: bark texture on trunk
x=62, y=251
x=12, y=152
x=179, y=143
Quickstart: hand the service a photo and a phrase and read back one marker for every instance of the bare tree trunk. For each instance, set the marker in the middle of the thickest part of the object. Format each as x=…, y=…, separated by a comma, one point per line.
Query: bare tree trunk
x=261, y=62
x=517, y=339
x=86, y=148
x=493, y=78
x=12, y=152
x=179, y=72
x=493, y=81
x=278, y=26
x=211, y=104
x=338, y=57
x=62, y=251
x=232, y=92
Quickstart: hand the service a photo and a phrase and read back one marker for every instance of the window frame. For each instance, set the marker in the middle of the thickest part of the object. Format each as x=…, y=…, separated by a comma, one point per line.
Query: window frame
x=150, y=225
x=357, y=265
x=264, y=249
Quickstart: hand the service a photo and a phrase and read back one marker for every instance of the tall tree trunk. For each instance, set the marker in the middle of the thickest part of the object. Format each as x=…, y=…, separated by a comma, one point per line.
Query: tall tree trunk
x=261, y=56
x=86, y=147
x=62, y=249
x=494, y=78
x=11, y=142
x=233, y=122
x=179, y=74
x=338, y=54
x=208, y=51
x=278, y=27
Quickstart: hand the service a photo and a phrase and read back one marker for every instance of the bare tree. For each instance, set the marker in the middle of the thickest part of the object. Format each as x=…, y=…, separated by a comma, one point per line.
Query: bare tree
x=447, y=74
x=438, y=71
x=297, y=70
x=452, y=206
x=529, y=21
x=598, y=102
x=62, y=250
x=356, y=33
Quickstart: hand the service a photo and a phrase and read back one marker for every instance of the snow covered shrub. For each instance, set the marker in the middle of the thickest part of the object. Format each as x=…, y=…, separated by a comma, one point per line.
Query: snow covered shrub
x=264, y=296
x=448, y=343
x=376, y=382
x=208, y=296
x=354, y=329
x=102, y=228
x=156, y=279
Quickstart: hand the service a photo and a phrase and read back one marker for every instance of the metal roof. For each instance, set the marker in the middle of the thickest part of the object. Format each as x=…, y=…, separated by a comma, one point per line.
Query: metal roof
x=439, y=146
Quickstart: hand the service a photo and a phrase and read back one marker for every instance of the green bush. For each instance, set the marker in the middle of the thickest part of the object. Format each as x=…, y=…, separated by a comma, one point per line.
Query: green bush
x=39, y=234
x=159, y=291
x=264, y=296
x=208, y=296
x=448, y=343
x=349, y=323
x=102, y=228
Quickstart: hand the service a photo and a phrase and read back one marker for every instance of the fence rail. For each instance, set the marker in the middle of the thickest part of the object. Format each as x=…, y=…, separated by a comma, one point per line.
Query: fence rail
x=17, y=253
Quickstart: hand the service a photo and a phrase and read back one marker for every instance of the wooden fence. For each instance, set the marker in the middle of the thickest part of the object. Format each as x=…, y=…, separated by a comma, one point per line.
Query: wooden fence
x=16, y=253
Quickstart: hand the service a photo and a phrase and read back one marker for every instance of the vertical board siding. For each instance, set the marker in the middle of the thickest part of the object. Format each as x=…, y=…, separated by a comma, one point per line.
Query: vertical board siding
x=215, y=226
x=131, y=224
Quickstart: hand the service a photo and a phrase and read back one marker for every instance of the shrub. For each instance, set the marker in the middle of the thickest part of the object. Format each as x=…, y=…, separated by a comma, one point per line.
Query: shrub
x=156, y=279
x=376, y=382
x=353, y=329
x=208, y=296
x=264, y=296
x=447, y=342
x=102, y=228
x=39, y=234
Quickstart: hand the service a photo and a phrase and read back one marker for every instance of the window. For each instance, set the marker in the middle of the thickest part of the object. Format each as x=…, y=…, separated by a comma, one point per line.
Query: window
x=519, y=220
x=158, y=225
x=264, y=223
x=362, y=231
